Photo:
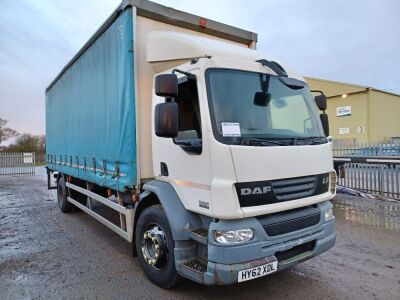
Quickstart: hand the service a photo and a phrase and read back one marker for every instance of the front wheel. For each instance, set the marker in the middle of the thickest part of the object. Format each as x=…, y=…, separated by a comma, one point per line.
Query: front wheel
x=155, y=247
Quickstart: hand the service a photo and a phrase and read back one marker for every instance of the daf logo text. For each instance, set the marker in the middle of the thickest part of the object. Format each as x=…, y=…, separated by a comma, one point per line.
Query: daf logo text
x=255, y=191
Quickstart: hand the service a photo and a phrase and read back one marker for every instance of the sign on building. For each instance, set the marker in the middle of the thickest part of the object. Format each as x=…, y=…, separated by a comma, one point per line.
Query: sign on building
x=344, y=130
x=343, y=111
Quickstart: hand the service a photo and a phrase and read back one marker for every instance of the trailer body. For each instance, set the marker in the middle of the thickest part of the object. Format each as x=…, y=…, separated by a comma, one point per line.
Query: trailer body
x=90, y=112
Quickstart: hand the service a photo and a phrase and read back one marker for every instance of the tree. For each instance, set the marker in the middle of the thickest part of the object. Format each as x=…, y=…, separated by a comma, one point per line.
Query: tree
x=28, y=143
x=6, y=132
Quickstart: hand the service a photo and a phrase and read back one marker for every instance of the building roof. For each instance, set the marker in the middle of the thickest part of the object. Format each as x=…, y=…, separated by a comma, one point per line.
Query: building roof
x=340, y=88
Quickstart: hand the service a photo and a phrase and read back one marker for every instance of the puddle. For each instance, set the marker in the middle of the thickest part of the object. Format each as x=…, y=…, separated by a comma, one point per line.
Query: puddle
x=382, y=214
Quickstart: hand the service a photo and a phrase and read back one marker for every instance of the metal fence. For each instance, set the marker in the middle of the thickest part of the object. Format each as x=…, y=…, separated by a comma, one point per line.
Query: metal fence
x=369, y=167
x=17, y=164
x=366, y=149
x=381, y=179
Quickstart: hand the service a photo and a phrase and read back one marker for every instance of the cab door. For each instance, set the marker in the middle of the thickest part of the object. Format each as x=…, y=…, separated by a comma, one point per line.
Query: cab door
x=183, y=161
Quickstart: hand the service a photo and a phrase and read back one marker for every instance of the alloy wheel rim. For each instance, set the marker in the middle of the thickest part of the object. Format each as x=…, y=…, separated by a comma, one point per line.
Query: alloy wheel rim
x=154, y=247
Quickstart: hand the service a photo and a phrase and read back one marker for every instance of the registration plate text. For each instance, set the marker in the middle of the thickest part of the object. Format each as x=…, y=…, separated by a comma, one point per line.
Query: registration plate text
x=256, y=272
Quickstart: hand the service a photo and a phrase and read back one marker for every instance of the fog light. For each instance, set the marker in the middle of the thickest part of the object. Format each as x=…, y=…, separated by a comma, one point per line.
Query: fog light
x=233, y=236
x=328, y=214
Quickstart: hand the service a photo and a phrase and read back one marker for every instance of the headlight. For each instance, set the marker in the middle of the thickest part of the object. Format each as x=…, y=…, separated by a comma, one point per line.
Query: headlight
x=328, y=214
x=233, y=236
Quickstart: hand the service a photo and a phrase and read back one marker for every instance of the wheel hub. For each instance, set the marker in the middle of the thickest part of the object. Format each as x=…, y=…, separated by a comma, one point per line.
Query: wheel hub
x=154, y=246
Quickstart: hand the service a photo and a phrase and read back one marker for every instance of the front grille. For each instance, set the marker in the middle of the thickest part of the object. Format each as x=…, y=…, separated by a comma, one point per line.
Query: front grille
x=289, y=189
x=292, y=225
x=300, y=249
x=281, y=190
x=290, y=220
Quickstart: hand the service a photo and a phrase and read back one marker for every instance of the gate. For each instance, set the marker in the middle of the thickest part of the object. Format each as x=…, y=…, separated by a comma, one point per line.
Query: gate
x=17, y=163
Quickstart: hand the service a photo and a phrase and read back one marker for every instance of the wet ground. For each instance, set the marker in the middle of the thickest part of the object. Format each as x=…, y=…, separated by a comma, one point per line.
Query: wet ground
x=47, y=254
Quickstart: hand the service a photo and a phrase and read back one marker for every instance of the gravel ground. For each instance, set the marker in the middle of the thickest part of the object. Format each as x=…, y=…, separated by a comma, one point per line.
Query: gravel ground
x=47, y=254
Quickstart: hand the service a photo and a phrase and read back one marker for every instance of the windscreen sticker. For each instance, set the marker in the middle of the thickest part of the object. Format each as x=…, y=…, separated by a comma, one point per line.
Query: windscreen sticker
x=230, y=129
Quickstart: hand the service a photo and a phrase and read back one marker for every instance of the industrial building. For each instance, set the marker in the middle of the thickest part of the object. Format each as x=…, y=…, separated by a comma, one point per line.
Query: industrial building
x=360, y=114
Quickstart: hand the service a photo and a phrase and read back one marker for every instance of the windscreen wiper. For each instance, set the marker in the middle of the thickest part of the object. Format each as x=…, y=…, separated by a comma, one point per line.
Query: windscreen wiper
x=309, y=140
x=262, y=142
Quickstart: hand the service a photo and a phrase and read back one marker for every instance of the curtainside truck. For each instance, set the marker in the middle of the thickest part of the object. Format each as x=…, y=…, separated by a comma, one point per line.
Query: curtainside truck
x=214, y=157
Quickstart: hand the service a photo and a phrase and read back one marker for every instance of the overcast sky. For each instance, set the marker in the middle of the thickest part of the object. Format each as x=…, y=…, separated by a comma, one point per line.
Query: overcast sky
x=350, y=41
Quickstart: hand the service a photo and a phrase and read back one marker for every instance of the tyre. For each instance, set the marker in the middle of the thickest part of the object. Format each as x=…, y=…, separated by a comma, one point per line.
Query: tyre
x=63, y=204
x=155, y=247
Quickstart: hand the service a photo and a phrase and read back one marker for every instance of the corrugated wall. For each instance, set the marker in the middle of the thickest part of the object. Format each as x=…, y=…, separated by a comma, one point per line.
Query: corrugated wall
x=384, y=116
x=374, y=114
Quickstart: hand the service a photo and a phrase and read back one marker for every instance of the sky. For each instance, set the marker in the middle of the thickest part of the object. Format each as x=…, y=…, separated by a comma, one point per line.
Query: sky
x=349, y=41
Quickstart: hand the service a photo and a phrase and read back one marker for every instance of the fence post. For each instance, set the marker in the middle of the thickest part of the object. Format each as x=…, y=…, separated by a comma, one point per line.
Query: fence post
x=380, y=176
x=34, y=162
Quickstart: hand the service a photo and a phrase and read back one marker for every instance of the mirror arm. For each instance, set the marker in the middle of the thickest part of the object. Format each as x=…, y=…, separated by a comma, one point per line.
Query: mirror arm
x=189, y=75
x=274, y=67
x=282, y=74
x=317, y=91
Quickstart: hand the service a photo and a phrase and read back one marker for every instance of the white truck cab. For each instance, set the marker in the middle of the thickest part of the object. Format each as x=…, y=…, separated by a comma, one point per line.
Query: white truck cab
x=239, y=138
x=225, y=139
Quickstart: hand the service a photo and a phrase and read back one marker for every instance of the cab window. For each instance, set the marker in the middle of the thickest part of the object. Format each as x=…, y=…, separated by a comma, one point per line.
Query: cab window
x=189, y=135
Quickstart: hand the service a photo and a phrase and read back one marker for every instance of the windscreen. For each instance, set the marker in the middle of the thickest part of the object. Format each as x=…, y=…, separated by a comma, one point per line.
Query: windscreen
x=250, y=105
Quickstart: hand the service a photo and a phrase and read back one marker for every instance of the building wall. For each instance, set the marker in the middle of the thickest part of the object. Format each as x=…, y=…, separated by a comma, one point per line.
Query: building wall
x=384, y=116
x=375, y=115
x=333, y=88
x=358, y=118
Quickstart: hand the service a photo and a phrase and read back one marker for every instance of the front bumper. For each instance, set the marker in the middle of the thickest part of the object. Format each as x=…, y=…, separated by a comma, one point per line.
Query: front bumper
x=224, y=262
x=218, y=273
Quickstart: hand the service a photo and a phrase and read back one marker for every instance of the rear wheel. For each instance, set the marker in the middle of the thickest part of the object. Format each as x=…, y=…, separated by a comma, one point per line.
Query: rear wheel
x=63, y=203
x=155, y=246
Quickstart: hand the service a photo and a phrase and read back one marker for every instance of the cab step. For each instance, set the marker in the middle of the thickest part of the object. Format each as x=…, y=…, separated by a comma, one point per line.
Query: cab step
x=193, y=268
x=195, y=264
x=199, y=234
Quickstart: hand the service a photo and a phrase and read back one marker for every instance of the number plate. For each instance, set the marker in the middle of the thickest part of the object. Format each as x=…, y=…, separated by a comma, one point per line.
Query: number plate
x=256, y=272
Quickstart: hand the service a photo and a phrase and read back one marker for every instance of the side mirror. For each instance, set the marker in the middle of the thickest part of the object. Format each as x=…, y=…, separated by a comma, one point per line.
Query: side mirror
x=262, y=99
x=166, y=120
x=320, y=100
x=325, y=123
x=166, y=85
